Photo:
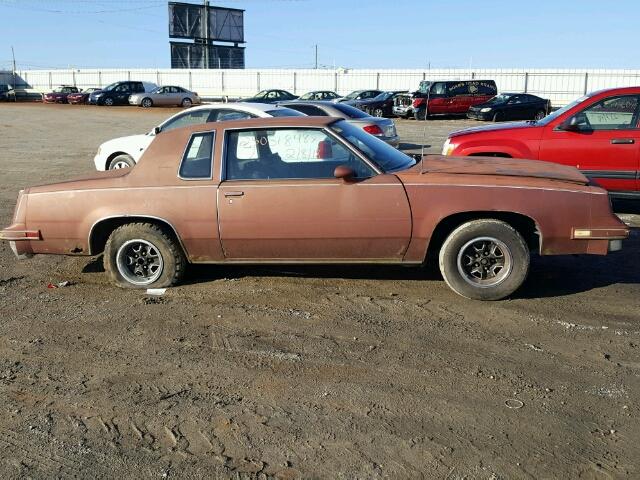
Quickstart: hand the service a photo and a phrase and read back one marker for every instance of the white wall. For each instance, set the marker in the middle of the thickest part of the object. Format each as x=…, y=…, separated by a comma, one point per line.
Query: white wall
x=561, y=86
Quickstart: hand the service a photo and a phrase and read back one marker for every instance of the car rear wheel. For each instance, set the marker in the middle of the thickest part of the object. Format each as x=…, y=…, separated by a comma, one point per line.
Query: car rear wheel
x=186, y=102
x=108, y=102
x=147, y=102
x=540, y=114
x=142, y=255
x=378, y=112
x=121, y=161
x=484, y=260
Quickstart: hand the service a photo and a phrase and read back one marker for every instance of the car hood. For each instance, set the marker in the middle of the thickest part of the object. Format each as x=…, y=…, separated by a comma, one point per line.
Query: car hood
x=487, y=104
x=492, y=128
x=495, y=166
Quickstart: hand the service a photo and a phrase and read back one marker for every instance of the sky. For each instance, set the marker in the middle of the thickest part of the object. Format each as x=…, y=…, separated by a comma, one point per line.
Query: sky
x=349, y=33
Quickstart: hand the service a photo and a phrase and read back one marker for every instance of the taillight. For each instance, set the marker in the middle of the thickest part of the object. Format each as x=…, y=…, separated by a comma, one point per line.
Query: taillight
x=373, y=129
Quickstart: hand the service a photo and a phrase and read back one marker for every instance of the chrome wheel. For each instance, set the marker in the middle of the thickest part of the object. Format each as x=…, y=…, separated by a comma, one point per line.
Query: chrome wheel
x=186, y=103
x=484, y=262
x=108, y=102
x=540, y=115
x=146, y=103
x=378, y=112
x=120, y=164
x=139, y=262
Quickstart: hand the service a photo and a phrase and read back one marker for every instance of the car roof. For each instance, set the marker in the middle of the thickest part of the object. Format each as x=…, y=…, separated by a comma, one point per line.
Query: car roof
x=255, y=108
x=313, y=122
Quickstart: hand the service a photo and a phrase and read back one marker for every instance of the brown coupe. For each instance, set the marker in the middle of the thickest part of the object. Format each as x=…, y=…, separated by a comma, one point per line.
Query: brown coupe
x=315, y=190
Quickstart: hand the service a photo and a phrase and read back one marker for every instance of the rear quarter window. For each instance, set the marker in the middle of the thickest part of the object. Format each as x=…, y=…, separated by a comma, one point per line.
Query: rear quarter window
x=197, y=160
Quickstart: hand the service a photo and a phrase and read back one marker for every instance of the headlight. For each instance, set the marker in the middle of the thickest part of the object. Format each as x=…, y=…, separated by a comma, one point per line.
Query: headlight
x=485, y=109
x=448, y=147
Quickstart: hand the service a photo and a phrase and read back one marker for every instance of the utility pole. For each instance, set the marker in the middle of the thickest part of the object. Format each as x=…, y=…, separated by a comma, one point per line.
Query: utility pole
x=316, y=56
x=206, y=34
x=14, y=67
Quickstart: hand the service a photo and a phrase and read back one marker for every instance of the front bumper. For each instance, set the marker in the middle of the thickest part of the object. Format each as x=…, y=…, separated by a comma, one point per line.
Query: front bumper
x=477, y=115
x=403, y=111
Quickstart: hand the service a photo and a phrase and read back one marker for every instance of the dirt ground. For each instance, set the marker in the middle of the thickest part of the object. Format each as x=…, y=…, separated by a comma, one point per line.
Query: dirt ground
x=310, y=372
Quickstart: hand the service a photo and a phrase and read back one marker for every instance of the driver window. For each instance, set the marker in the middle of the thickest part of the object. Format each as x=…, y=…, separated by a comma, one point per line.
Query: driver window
x=288, y=154
x=194, y=117
x=439, y=89
x=614, y=113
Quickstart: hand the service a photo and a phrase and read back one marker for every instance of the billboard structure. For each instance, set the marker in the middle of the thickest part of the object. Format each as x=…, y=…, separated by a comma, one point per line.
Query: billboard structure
x=205, y=25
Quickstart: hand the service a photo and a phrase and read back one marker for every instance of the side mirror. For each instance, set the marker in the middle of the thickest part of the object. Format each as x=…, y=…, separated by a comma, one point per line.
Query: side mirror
x=344, y=172
x=570, y=125
x=156, y=130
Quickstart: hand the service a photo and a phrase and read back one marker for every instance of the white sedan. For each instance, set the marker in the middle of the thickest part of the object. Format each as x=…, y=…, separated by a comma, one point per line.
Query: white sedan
x=124, y=152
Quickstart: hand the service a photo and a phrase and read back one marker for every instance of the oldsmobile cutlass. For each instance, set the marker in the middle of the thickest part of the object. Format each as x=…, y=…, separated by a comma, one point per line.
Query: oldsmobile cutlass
x=315, y=190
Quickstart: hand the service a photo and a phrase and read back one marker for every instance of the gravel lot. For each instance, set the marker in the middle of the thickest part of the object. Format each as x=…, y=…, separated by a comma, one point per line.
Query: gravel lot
x=306, y=372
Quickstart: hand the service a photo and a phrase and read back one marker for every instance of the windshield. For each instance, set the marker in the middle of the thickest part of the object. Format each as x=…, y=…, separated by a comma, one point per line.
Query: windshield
x=383, y=96
x=307, y=96
x=110, y=87
x=353, y=95
x=502, y=98
x=285, y=112
x=557, y=113
x=262, y=94
x=424, y=86
x=58, y=90
x=385, y=156
x=349, y=111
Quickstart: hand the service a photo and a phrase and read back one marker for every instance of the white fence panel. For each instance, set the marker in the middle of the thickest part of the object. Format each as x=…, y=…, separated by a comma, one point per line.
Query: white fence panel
x=559, y=85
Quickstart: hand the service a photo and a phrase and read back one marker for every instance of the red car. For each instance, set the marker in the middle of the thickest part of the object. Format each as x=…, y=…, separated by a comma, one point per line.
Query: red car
x=599, y=134
x=450, y=97
x=59, y=94
x=81, y=96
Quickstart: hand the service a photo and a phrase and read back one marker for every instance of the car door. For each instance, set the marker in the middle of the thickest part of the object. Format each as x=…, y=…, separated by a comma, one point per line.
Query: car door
x=516, y=108
x=603, y=142
x=439, y=102
x=280, y=201
x=121, y=94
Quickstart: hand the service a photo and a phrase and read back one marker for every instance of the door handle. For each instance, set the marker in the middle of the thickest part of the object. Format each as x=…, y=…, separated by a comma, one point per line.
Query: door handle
x=622, y=141
x=233, y=194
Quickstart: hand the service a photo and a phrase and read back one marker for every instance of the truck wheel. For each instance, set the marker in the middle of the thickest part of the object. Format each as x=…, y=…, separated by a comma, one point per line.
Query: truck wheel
x=421, y=114
x=121, y=161
x=484, y=260
x=147, y=102
x=142, y=255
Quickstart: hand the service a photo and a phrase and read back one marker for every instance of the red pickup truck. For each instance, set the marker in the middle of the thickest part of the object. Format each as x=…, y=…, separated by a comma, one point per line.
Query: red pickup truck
x=599, y=134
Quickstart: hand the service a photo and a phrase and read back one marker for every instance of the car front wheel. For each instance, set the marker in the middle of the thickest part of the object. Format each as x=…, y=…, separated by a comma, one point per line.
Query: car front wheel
x=108, y=102
x=147, y=102
x=121, y=161
x=484, y=260
x=142, y=255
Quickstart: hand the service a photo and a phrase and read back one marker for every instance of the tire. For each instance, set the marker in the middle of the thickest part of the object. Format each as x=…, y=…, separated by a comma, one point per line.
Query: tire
x=121, y=161
x=108, y=102
x=540, y=114
x=158, y=260
x=378, y=112
x=186, y=103
x=507, y=265
x=146, y=102
x=498, y=117
x=421, y=114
